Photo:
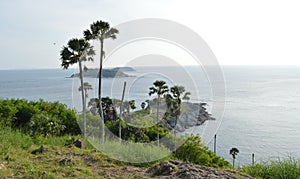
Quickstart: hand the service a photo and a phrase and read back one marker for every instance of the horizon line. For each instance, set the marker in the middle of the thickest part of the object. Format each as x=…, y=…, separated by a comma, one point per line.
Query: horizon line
x=52, y=68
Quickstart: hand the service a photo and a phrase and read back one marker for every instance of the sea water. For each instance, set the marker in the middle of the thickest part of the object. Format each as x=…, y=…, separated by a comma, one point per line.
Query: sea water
x=261, y=104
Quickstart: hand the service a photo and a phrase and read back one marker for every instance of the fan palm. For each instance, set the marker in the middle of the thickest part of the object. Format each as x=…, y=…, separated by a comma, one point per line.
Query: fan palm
x=234, y=151
x=100, y=30
x=159, y=88
x=177, y=91
x=77, y=51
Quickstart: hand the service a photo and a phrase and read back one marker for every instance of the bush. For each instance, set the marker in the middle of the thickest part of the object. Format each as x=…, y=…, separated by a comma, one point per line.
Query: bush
x=38, y=117
x=193, y=150
x=140, y=133
x=45, y=125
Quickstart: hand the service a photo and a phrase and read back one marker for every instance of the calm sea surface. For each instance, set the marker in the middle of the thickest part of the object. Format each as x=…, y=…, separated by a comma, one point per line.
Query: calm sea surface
x=262, y=103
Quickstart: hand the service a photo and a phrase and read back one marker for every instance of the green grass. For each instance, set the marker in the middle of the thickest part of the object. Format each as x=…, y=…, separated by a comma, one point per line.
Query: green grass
x=288, y=168
x=137, y=154
x=60, y=159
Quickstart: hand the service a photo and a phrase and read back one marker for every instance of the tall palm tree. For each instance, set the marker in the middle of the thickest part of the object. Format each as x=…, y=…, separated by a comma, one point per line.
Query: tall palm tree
x=234, y=151
x=100, y=30
x=77, y=51
x=159, y=88
x=177, y=91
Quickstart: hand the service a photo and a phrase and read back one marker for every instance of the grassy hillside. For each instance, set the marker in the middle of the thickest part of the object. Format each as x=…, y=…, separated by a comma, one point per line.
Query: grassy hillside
x=21, y=157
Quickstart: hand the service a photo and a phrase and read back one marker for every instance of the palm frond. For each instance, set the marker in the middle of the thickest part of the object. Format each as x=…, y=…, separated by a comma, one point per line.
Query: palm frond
x=88, y=35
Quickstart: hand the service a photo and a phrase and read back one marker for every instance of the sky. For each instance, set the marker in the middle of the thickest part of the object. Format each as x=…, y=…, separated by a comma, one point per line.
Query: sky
x=239, y=32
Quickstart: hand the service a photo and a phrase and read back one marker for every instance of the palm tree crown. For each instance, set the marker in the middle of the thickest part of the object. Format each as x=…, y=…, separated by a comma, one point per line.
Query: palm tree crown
x=75, y=51
x=159, y=88
x=234, y=151
x=100, y=30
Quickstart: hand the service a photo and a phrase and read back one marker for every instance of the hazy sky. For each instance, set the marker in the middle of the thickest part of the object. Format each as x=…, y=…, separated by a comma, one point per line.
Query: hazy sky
x=239, y=32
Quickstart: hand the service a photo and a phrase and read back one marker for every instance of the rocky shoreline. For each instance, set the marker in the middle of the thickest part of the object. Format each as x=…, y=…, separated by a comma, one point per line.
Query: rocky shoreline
x=196, y=115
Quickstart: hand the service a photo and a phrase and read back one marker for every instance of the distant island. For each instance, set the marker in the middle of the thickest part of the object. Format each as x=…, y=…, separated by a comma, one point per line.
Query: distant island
x=106, y=73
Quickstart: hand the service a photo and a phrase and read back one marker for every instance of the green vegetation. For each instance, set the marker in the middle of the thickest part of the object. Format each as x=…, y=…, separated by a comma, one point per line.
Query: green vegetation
x=38, y=117
x=30, y=124
x=59, y=159
x=288, y=168
x=193, y=150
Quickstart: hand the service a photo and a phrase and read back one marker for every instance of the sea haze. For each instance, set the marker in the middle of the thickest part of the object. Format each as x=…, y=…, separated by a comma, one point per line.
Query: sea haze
x=262, y=104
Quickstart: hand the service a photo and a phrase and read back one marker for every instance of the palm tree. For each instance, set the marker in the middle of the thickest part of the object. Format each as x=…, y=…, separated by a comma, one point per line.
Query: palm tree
x=100, y=30
x=176, y=107
x=159, y=88
x=234, y=151
x=132, y=104
x=143, y=105
x=77, y=51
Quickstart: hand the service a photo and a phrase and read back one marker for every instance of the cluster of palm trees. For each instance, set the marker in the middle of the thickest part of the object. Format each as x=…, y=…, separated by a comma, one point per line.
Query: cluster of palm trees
x=78, y=51
x=173, y=101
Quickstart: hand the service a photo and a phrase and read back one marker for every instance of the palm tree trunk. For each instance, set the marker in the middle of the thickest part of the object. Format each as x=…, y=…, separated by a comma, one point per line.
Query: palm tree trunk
x=233, y=162
x=157, y=119
x=99, y=90
x=83, y=99
x=121, y=110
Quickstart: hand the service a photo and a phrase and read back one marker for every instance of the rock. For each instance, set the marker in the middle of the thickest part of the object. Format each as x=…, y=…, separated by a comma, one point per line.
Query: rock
x=162, y=169
x=78, y=143
x=2, y=167
x=177, y=169
x=41, y=149
x=44, y=175
x=65, y=162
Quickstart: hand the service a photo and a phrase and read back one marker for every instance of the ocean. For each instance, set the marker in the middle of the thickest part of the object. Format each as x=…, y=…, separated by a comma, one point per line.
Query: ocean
x=261, y=112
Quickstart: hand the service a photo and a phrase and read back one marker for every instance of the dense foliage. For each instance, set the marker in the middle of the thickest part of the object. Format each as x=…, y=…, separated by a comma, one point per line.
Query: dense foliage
x=193, y=150
x=38, y=117
x=137, y=134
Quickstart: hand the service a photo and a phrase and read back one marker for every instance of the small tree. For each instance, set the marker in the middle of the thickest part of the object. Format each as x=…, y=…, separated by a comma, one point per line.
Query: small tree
x=234, y=151
x=132, y=104
x=143, y=105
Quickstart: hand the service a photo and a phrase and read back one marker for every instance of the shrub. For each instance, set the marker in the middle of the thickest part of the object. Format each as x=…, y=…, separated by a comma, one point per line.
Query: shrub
x=193, y=150
x=38, y=117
